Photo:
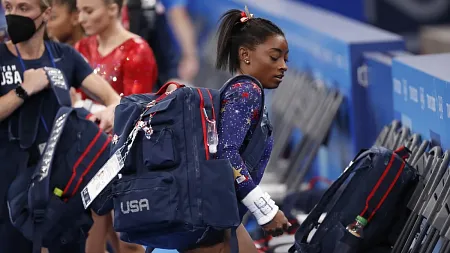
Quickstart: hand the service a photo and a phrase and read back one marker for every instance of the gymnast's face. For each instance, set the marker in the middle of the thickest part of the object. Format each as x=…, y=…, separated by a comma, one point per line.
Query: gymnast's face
x=267, y=62
x=97, y=15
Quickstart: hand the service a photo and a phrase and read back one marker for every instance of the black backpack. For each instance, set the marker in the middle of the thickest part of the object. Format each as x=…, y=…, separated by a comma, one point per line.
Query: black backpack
x=375, y=186
x=44, y=201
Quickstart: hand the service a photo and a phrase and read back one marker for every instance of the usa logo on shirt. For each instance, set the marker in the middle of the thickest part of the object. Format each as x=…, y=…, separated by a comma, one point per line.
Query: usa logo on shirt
x=10, y=75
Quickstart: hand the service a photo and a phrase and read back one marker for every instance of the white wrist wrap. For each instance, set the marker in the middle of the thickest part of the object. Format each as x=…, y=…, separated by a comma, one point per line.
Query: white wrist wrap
x=260, y=205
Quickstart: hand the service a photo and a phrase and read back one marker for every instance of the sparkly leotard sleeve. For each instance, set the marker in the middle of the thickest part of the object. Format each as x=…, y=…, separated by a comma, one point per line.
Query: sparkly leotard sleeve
x=139, y=70
x=240, y=112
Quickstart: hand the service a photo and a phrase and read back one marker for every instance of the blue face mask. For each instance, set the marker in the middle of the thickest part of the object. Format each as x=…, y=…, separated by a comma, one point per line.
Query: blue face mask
x=21, y=28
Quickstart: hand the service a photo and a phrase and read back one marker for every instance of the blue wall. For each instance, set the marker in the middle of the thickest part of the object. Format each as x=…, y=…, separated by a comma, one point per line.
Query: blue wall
x=421, y=91
x=350, y=8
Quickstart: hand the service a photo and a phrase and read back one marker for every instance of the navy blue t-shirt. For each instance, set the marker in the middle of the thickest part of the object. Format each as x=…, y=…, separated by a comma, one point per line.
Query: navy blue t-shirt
x=67, y=59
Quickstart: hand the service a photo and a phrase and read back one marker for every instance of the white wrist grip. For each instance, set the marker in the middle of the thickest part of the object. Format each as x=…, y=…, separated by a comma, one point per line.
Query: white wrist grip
x=260, y=205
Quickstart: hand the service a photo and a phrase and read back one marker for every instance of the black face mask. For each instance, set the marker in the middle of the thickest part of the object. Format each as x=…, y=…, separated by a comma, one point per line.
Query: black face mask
x=21, y=28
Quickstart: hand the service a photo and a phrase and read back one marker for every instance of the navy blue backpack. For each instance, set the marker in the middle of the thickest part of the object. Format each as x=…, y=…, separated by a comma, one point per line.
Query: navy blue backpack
x=44, y=201
x=171, y=185
x=376, y=186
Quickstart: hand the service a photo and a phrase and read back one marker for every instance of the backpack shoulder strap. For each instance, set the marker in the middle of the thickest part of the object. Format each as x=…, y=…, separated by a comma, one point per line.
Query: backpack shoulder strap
x=59, y=86
x=61, y=90
x=255, y=147
x=38, y=193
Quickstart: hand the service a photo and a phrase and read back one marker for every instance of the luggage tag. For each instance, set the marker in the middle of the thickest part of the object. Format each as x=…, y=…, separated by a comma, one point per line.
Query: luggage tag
x=113, y=166
x=108, y=171
x=99, y=182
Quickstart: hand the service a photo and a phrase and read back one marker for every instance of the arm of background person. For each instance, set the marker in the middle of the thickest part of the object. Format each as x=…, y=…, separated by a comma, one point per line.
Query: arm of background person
x=183, y=29
x=97, y=88
x=164, y=49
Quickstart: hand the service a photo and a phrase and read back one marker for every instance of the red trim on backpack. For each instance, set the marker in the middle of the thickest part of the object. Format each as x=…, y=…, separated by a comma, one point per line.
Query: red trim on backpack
x=205, y=137
x=400, y=150
x=372, y=193
x=377, y=185
x=159, y=99
x=163, y=89
x=89, y=167
x=388, y=191
x=80, y=159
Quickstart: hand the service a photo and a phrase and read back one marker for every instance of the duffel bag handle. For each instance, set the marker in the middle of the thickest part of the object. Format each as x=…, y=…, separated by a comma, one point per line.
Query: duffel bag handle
x=163, y=89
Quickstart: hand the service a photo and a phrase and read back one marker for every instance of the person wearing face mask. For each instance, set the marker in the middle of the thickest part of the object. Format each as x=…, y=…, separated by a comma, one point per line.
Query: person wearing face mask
x=22, y=82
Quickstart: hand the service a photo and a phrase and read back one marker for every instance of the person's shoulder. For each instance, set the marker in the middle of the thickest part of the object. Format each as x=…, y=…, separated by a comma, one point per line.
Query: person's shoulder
x=4, y=50
x=138, y=46
x=243, y=87
x=85, y=43
x=57, y=45
x=245, y=83
x=83, y=46
x=64, y=52
x=87, y=40
x=137, y=42
x=59, y=50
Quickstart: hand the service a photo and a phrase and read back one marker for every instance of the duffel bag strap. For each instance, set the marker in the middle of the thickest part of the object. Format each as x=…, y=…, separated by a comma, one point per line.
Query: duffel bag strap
x=163, y=89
